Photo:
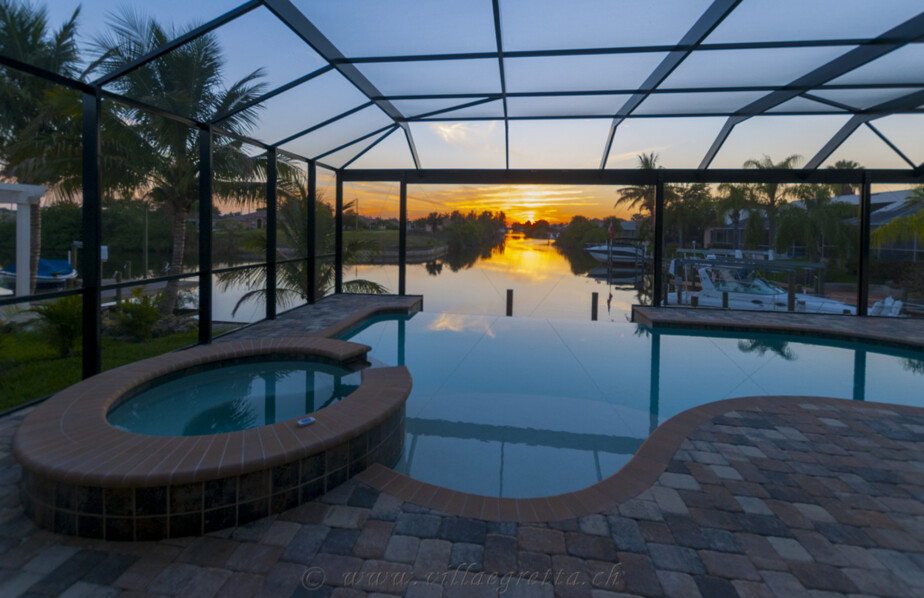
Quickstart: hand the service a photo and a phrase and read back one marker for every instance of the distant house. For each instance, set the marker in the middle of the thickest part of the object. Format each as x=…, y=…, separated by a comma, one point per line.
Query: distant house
x=884, y=208
x=253, y=220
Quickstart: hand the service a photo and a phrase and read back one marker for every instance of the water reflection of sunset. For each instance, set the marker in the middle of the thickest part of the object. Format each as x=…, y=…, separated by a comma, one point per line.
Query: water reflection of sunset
x=527, y=259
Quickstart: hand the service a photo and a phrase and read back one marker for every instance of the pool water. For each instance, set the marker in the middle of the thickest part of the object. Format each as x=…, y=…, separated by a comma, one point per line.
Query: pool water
x=524, y=407
x=234, y=397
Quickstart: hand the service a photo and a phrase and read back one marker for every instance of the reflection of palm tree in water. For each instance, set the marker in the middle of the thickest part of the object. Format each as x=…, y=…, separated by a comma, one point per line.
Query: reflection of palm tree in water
x=915, y=366
x=761, y=346
x=236, y=414
x=434, y=268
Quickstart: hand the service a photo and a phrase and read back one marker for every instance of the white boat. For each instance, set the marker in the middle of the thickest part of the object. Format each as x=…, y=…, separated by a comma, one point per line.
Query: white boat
x=620, y=253
x=751, y=292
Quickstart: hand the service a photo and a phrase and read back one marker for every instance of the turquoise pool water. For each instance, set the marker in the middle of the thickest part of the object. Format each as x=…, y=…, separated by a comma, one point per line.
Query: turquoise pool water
x=234, y=397
x=523, y=407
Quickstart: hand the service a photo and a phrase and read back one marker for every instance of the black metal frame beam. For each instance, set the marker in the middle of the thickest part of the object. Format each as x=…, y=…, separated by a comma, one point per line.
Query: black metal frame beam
x=311, y=225
x=895, y=149
x=658, y=115
x=92, y=235
x=912, y=100
x=865, y=210
x=907, y=32
x=402, y=238
x=656, y=49
x=700, y=30
x=179, y=41
x=205, y=235
x=657, y=217
x=626, y=176
x=293, y=18
x=503, y=79
x=338, y=234
x=272, y=176
x=273, y=93
x=323, y=123
x=362, y=153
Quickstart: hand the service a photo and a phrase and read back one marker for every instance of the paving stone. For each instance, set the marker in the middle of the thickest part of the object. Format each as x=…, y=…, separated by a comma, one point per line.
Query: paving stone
x=462, y=529
x=280, y=533
x=878, y=583
x=715, y=587
x=82, y=589
x=424, y=590
x=208, y=552
x=69, y=572
x=678, y=481
x=820, y=548
x=18, y=582
x=467, y=556
x=675, y=558
x=402, y=549
x=344, y=516
x=594, y=524
x=686, y=532
x=384, y=577
x=241, y=585
x=721, y=540
x=305, y=545
x=790, y=549
x=363, y=496
x=606, y=575
x=533, y=562
x=500, y=554
x=49, y=559
x=678, y=584
x=784, y=585
x=251, y=532
x=725, y=472
x=340, y=541
x=536, y=539
x=414, y=524
x=640, y=509
x=669, y=500
x=822, y=577
x=754, y=505
x=752, y=589
x=140, y=575
x=336, y=570
x=504, y=528
x=432, y=558
x=657, y=532
x=254, y=558
x=761, y=552
x=814, y=512
x=110, y=569
x=729, y=566
x=901, y=566
x=373, y=539
x=600, y=548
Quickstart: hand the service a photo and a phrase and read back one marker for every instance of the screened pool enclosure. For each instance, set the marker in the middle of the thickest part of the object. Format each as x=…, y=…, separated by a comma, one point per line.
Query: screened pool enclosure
x=311, y=97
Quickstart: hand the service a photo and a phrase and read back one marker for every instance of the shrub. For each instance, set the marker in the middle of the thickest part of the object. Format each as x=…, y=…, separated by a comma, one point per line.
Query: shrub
x=137, y=317
x=62, y=322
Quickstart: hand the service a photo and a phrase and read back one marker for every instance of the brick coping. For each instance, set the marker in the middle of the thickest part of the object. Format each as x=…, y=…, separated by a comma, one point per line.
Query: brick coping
x=639, y=474
x=873, y=330
x=68, y=439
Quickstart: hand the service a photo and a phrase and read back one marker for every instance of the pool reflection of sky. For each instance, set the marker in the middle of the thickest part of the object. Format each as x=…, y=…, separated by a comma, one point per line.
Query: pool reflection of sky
x=531, y=406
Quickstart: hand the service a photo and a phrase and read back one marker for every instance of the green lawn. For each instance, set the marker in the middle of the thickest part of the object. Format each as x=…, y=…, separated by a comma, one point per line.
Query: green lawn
x=30, y=369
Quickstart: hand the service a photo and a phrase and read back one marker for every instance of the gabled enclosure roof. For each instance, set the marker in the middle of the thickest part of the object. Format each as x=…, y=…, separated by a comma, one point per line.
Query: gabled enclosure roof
x=568, y=84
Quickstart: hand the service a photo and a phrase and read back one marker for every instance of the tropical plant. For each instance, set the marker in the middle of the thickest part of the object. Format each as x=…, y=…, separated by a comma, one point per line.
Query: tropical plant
x=770, y=195
x=817, y=222
x=641, y=197
x=137, y=317
x=733, y=200
x=292, y=276
x=187, y=81
x=844, y=188
x=62, y=322
x=687, y=206
x=26, y=105
x=903, y=228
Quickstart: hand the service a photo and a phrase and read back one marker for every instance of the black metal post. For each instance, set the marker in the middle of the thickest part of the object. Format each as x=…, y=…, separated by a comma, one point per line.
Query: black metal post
x=791, y=292
x=338, y=238
x=654, y=382
x=863, y=266
x=402, y=240
x=402, y=341
x=859, y=375
x=312, y=236
x=205, y=235
x=92, y=225
x=658, y=225
x=509, y=302
x=271, y=176
x=594, y=297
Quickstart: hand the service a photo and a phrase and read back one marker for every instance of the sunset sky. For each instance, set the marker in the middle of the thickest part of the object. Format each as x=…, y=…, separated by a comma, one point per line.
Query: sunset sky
x=375, y=28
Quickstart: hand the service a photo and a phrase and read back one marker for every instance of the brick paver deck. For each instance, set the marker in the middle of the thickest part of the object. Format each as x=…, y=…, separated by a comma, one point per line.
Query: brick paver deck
x=783, y=497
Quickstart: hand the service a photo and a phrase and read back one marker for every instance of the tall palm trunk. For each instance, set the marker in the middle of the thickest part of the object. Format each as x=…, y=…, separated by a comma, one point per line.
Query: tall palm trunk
x=172, y=289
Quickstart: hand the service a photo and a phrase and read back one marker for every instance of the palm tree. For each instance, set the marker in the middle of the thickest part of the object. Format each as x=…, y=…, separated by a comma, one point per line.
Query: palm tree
x=770, y=195
x=641, y=197
x=186, y=81
x=845, y=188
x=817, y=222
x=25, y=111
x=733, y=200
x=294, y=242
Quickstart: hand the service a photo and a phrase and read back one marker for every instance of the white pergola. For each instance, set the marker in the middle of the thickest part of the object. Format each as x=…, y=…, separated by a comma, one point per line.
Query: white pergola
x=23, y=196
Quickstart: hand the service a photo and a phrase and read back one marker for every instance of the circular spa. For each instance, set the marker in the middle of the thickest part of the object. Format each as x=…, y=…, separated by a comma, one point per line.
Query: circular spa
x=208, y=438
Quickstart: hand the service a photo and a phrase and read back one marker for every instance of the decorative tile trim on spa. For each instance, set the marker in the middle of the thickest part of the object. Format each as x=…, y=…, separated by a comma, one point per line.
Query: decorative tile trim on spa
x=82, y=476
